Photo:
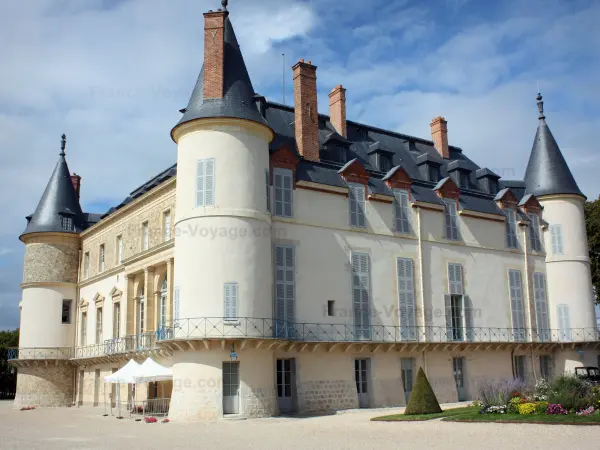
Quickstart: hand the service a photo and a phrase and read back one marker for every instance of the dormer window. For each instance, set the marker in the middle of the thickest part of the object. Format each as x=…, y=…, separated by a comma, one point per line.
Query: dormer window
x=434, y=174
x=429, y=166
x=460, y=172
x=66, y=221
x=488, y=181
x=381, y=157
x=336, y=148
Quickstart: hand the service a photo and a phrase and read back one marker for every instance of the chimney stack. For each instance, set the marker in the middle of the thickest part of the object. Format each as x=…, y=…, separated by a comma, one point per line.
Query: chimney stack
x=439, y=135
x=76, y=180
x=214, y=53
x=337, y=109
x=306, y=116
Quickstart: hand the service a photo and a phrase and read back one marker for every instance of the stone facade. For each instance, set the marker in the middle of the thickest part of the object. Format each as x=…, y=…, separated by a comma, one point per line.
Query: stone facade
x=323, y=396
x=128, y=224
x=41, y=385
x=51, y=258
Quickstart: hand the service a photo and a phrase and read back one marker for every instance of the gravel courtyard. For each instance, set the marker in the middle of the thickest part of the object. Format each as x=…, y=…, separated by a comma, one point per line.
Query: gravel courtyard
x=85, y=428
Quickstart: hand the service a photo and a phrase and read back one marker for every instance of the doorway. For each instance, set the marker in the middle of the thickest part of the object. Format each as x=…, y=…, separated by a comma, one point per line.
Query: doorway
x=361, y=376
x=407, y=365
x=458, y=367
x=286, y=385
x=231, y=388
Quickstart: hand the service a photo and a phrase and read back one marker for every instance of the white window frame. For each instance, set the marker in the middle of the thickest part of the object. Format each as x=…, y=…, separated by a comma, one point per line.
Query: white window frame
x=406, y=299
x=86, y=265
x=451, y=229
x=542, y=316
x=145, y=236
x=231, y=301
x=556, y=237
x=205, y=182
x=162, y=307
x=83, y=329
x=534, y=232
x=119, y=249
x=357, y=205
x=517, y=308
x=116, y=320
x=283, y=185
x=166, y=221
x=101, y=258
x=456, y=330
x=99, y=325
x=402, y=214
x=511, y=228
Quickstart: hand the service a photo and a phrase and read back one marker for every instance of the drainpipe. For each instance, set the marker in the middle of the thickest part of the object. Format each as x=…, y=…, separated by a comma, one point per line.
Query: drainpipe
x=527, y=281
x=421, y=274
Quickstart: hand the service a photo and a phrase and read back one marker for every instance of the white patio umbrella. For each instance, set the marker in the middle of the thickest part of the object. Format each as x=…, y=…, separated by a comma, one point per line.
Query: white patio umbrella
x=126, y=374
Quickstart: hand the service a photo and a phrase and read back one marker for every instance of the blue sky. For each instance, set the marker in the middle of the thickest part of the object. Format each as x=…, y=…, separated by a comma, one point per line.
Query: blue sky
x=113, y=74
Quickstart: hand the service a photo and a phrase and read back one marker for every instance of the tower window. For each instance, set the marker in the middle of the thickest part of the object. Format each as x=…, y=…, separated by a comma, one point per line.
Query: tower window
x=66, y=223
x=331, y=308
x=66, y=311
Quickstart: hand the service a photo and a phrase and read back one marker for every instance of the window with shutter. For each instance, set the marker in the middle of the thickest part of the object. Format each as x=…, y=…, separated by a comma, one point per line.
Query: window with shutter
x=176, y=307
x=356, y=198
x=167, y=226
x=231, y=301
x=516, y=305
x=284, y=192
x=86, y=265
x=511, y=228
x=119, y=249
x=101, y=258
x=205, y=182
x=451, y=220
x=557, y=240
x=285, y=290
x=145, y=236
x=406, y=299
x=564, y=323
x=541, y=306
x=402, y=210
x=534, y=232
x=360, y=295
x=546, y=367
x=455, y=304
x=268, y=187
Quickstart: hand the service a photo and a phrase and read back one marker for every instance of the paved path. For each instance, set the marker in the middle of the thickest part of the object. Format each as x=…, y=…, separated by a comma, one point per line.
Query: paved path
x=85, y=428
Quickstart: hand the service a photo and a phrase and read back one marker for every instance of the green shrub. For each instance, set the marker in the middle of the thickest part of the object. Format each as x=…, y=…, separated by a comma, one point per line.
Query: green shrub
x=513, y=405
x=571, y=392
x=526, y=408
x=422, y=399
x=541, y=407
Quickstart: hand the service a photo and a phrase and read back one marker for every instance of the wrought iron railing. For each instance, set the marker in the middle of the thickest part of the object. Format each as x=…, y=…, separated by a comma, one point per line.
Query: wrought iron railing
x=248, y=327
x=117, y=346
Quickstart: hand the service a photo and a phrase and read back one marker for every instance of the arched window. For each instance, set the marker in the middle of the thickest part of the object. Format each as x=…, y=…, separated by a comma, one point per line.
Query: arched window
x=162, y=313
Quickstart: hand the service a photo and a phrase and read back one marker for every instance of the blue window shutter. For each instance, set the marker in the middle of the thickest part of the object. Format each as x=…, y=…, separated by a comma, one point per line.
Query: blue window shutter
x=516, y=305
x=200, y=169
x=356, y=198
x=448, y=314
x=361, y=294
x=230, y=301
x=564, y=323
x=406, y=298
x=285, y=289
x=402, y=210
x=284, y=191
x=541, y=306
x=511, y=232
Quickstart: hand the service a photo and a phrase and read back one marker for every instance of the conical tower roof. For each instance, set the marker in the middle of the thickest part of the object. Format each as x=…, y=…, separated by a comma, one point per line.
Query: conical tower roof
x=58, y=203
x=547, y=171
x=238, y=93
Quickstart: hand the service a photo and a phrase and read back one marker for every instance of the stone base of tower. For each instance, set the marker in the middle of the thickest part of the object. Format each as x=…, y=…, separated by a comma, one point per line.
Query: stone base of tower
x=198, y=390
x=44, y=386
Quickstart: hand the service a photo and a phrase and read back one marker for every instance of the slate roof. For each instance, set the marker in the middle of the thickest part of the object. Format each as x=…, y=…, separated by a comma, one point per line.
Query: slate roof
x=547, y=171
x=238, y=99
x=59, y=199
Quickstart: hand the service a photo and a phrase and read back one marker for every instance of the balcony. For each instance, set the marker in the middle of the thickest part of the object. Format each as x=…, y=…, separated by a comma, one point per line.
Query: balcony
x=35, y=355
x=205, y=328
x=118, y=347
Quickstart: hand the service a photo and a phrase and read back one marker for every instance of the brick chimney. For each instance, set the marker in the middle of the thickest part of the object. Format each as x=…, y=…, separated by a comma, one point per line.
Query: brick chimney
x=214, y=53
x=439, y=135
x=76, y=180
x=305, y=110
x=337, y=109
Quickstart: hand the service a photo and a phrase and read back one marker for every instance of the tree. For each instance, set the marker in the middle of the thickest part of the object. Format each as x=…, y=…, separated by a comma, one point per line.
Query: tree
x=422, y=399
x=592, y=225
x=8, y=375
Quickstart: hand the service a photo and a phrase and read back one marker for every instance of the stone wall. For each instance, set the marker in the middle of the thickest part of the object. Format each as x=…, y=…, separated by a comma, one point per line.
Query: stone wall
x=128, y=225
x=43, y=385
x=322, y=396
x=51, y=258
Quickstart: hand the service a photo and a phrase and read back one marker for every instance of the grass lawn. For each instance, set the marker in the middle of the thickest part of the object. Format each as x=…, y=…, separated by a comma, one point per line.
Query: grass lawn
x=416, y=417
x=474, y=416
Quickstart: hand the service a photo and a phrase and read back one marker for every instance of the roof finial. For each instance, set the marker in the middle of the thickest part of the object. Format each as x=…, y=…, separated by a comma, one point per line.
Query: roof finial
x=63, y=144
x=224, y=4
x=540, y=104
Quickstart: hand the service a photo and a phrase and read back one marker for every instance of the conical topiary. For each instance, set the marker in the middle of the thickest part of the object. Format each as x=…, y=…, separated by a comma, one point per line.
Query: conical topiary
x=422, y=399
